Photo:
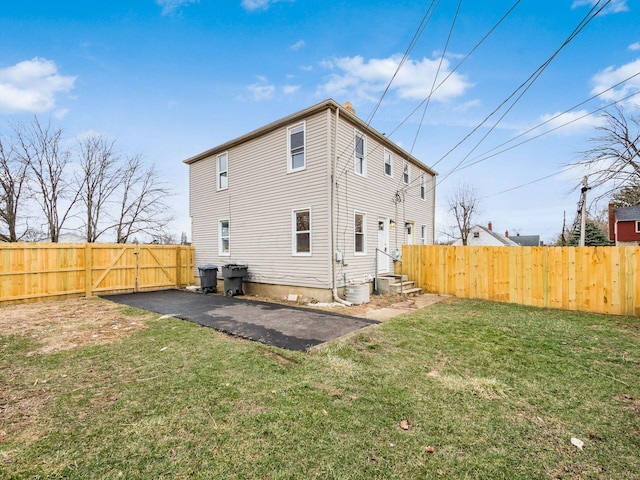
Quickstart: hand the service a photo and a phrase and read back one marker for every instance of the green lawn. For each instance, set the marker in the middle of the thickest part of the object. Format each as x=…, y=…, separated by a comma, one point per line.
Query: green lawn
x=488, y=391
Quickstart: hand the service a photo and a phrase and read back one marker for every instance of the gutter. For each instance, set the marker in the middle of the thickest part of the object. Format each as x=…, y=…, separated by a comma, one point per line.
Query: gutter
x=334, y=162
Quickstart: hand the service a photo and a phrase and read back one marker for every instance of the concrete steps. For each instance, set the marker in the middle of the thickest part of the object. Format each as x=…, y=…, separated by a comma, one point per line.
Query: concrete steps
x=396, y=285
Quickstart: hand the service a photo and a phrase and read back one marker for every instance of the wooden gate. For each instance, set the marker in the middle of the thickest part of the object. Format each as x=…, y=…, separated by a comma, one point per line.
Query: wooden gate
x=32, y=271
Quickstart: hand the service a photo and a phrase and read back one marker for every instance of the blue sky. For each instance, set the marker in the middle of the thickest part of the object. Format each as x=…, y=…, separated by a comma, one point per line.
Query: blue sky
x=171, y=78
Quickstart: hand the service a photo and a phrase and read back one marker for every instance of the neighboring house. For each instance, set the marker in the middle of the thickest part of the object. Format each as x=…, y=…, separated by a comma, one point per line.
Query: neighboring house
x=624, y=225
x=307, y=200
x=486, y=237
x=525, y=240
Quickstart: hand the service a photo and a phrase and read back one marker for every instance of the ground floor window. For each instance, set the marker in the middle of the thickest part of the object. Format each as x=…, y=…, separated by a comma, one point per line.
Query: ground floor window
x=360, y=235
x=224, y=237
x=302, y=232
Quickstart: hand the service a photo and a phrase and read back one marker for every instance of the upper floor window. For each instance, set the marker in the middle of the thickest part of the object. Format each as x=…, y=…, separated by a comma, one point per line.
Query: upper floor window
x=296, y=148
x=360, y=154
x=223, y=171
x=423, y=188
x=388, y=165
x=359, y=233
x=405, y=173
x=302, y=232
x=224, y=238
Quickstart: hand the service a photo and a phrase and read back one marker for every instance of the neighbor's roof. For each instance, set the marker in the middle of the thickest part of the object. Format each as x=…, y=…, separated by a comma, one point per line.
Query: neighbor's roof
x=497, y=236
x=627, y=213
x=526, y=240
x=329, y=103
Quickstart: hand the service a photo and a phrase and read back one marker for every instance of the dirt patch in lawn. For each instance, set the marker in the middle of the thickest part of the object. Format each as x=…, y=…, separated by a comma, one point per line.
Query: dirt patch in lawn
x=65, y=324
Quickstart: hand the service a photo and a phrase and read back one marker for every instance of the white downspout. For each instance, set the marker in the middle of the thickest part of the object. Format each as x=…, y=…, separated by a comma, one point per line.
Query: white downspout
x=334, y=162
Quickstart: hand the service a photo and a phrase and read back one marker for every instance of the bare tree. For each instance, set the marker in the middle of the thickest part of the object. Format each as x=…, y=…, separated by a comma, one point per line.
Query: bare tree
x=143, y=208
x=99, y=177
x=39, y=147
x=628, y=196
x=13, y=178
x=464, y=204
x=614, y=161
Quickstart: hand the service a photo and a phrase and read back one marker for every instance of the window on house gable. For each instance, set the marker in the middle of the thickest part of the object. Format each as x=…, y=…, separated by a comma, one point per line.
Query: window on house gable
x=388, y=165
x=223, y=171
x=360, y=233
x=405, y=174
x=296, y=140
x=302, y=232
x=224, y=237
x=360, y=155
x=423, y=188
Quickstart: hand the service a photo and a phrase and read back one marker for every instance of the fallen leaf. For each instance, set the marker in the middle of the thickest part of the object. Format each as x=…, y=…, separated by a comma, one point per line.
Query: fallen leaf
x=577, y=442
x=429, y=449
x=404, y=425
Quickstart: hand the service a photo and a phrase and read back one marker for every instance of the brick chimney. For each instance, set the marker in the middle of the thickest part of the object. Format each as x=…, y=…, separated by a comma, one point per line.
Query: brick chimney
x=490, y=227
x=349, y=107
x=506, y=234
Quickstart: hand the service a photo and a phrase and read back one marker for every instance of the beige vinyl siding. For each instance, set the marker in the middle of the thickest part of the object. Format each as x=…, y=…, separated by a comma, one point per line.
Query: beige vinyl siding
x=374, y=196
x=259, y=204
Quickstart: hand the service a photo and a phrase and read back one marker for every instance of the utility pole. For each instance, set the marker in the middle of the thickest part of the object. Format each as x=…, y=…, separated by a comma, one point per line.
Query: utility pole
x=583, y=214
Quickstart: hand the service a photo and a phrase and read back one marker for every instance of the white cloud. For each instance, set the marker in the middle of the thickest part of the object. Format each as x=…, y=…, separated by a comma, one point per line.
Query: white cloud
x=171, y=6
x=568, y=123
x=306, y=68
x=31, y=86
x=634, y=46
x=611, y=76
x=358, y=78
x=297, y=46
x=252, y=5
x=615, y=6
x=289, y=89
x=261, y=90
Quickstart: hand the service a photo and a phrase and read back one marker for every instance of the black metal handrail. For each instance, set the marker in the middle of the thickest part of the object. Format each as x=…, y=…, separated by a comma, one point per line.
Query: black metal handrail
x=375, y=290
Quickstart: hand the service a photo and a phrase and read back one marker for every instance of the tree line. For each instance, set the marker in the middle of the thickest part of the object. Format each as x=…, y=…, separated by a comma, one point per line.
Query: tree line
x=91, y=189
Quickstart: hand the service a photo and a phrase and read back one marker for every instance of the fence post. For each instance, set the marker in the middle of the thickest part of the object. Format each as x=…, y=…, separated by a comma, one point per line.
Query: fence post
x=178, y=266
x=88, y=270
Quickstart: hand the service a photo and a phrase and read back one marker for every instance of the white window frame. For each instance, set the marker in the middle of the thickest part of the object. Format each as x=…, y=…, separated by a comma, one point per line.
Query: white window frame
x=295, y=232
x=637, y=226
x=221, y=238
x=364, y=153
x=219, y=171
x=363, y=233
x=290, y=131
x=423, y=234
x=423, y=187
x=387, y=155
x=406, y=173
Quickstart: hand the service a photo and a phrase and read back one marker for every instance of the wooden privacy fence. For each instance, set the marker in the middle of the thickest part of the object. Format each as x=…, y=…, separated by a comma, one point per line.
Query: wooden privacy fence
x=592, y=279
x=32, y=271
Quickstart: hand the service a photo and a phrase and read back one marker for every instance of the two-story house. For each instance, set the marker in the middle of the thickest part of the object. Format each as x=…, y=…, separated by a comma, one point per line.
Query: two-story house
x=310, y=202
x=624, y=225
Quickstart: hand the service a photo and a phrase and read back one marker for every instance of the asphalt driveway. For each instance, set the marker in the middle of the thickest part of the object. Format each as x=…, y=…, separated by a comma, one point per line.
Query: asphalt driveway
x=273, y=324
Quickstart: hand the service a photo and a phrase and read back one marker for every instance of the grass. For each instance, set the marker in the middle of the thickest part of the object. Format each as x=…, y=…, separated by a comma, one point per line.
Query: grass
x=488, y=391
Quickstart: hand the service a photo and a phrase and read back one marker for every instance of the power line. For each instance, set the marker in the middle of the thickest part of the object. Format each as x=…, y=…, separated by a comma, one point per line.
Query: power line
x=523, y=87
x=435, y=77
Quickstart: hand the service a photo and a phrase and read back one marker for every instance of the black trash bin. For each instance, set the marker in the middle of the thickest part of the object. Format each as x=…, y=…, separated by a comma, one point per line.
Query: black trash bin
x=208, y=278
x=233, y=275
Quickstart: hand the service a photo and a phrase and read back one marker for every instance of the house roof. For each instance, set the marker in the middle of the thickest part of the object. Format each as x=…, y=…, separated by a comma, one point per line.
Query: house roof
x=318, y=107
x=526, y=240
x=626, y=214
x=501, y=238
